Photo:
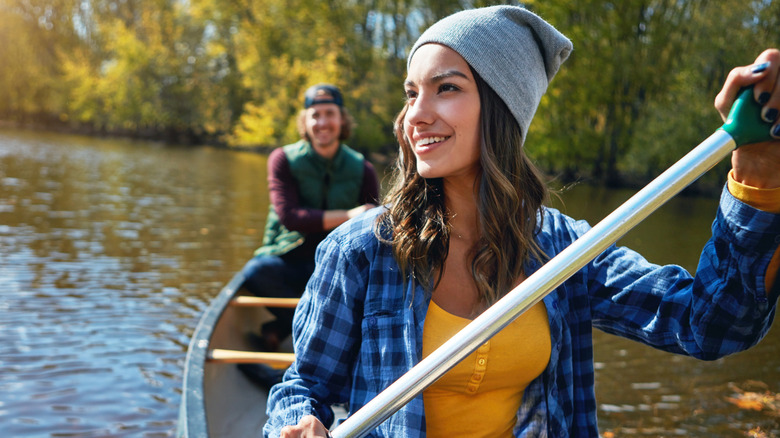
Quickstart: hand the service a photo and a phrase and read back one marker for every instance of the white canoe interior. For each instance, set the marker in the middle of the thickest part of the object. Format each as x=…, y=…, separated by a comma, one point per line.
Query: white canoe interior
x=217, y=399
x=235, y=407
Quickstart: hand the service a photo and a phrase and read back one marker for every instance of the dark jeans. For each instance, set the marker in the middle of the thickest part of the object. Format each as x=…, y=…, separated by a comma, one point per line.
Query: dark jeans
x=279, y=277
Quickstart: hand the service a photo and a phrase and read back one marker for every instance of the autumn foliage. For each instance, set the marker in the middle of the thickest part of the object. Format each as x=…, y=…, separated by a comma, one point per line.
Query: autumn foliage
x=634, y=96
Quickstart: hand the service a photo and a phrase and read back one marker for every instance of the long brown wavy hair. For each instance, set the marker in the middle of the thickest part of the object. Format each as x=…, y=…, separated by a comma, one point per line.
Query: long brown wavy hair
x=510, y=191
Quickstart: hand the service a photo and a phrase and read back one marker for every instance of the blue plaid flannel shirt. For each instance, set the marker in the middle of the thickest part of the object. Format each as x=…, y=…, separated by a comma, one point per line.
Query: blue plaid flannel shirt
x=357, y=329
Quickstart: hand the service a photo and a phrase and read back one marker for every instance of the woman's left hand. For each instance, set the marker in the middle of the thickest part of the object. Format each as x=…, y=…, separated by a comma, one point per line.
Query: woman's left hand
x=756, y=165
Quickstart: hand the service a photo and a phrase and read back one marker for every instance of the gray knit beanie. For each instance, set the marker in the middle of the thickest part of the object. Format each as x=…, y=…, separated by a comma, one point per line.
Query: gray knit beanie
x=513, y=50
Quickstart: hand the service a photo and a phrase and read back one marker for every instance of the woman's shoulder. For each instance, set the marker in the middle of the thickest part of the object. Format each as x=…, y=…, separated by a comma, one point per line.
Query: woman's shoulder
x=559, y=227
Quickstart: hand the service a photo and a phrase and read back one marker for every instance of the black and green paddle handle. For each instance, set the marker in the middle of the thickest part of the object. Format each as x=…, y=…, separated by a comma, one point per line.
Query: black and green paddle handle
x=744, y=123
x=743, y=126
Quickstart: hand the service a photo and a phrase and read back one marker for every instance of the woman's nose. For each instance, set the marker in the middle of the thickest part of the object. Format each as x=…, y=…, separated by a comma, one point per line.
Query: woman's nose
x=420, y=111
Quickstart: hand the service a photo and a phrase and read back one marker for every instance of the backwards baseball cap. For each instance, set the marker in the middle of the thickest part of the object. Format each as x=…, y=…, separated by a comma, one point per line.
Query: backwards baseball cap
x=514, y=50
x=323, y=93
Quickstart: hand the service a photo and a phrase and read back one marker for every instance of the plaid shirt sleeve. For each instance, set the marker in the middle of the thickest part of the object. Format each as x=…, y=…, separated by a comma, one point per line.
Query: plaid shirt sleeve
x=325, y=333
x=356, y=330
x=722, y=310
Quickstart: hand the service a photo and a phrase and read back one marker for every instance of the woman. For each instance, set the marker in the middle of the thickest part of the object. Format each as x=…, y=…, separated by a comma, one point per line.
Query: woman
x=465, y=222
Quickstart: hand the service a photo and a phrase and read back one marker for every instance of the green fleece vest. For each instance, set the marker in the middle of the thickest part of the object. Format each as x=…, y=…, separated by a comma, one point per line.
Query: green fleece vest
x=322, y=184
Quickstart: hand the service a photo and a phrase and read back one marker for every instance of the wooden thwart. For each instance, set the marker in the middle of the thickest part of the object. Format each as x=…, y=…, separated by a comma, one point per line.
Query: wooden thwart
x=245, y=301
x=239, y=356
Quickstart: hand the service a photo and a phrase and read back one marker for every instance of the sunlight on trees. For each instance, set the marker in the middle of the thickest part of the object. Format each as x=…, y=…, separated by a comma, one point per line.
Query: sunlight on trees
x=634, y=96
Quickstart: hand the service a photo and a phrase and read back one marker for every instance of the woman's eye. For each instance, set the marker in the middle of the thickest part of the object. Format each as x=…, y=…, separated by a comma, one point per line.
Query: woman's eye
x=410, y=94
x=447, y=87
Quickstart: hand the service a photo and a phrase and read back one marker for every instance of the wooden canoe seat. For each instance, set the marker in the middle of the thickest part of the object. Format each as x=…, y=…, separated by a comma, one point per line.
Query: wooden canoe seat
x=220, y=355
x=245, y=301
x=239, y=356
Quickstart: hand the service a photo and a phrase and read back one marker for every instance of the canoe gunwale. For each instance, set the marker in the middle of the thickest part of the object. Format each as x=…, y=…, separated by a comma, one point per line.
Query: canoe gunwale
x=192, y=416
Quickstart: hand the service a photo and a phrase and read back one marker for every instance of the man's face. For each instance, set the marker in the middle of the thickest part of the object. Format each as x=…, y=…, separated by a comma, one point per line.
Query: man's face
x=323, y=127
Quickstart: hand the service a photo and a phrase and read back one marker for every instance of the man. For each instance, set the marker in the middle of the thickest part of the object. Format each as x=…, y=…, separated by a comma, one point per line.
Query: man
x=315, y=185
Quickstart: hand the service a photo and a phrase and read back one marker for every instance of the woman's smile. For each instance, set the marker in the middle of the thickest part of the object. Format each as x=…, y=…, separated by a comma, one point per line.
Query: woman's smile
x=428, y=144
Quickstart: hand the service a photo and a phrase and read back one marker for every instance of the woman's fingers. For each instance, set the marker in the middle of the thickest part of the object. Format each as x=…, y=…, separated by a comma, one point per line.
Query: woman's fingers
x=308, y=427
x=763, y=74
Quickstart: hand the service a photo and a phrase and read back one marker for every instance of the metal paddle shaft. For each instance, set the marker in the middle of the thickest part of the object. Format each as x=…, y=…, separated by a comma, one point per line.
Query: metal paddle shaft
x=561, y=267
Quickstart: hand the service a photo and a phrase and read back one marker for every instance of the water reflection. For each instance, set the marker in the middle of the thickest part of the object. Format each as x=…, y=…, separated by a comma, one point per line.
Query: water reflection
x=111, y=249
x=110, y=252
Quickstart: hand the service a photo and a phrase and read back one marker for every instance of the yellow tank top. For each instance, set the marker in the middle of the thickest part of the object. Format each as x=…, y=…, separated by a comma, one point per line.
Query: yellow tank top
x=480, y=396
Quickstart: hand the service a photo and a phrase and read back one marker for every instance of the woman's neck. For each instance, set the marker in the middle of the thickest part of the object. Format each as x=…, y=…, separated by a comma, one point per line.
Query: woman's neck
x=461, y=202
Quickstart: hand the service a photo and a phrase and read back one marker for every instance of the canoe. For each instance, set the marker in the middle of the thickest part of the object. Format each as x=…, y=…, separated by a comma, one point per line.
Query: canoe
x=218, y=400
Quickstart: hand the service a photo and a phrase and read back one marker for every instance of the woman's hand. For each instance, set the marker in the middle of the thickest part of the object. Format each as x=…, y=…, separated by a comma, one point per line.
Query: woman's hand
x=309, y=426
x=756, y=165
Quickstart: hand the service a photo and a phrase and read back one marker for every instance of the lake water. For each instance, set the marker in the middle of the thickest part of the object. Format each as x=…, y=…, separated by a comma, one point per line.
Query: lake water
x=111, y=249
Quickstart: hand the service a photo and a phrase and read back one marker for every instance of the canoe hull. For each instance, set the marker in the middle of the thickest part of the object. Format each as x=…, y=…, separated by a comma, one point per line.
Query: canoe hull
x=217, y=399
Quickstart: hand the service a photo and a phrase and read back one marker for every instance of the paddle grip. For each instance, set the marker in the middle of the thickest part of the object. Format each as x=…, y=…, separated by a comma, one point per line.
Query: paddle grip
x=744, y=122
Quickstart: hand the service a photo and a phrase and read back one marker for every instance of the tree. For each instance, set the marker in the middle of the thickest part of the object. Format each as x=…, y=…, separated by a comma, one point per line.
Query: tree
x=637, y=91
x=634, y=95
x=32, y=33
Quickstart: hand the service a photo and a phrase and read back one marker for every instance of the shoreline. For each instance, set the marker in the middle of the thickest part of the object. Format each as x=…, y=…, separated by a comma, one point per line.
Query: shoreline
x=553, y=179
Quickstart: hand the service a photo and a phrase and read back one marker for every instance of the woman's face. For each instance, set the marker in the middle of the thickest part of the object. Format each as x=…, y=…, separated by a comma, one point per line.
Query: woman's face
x=442, y=123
